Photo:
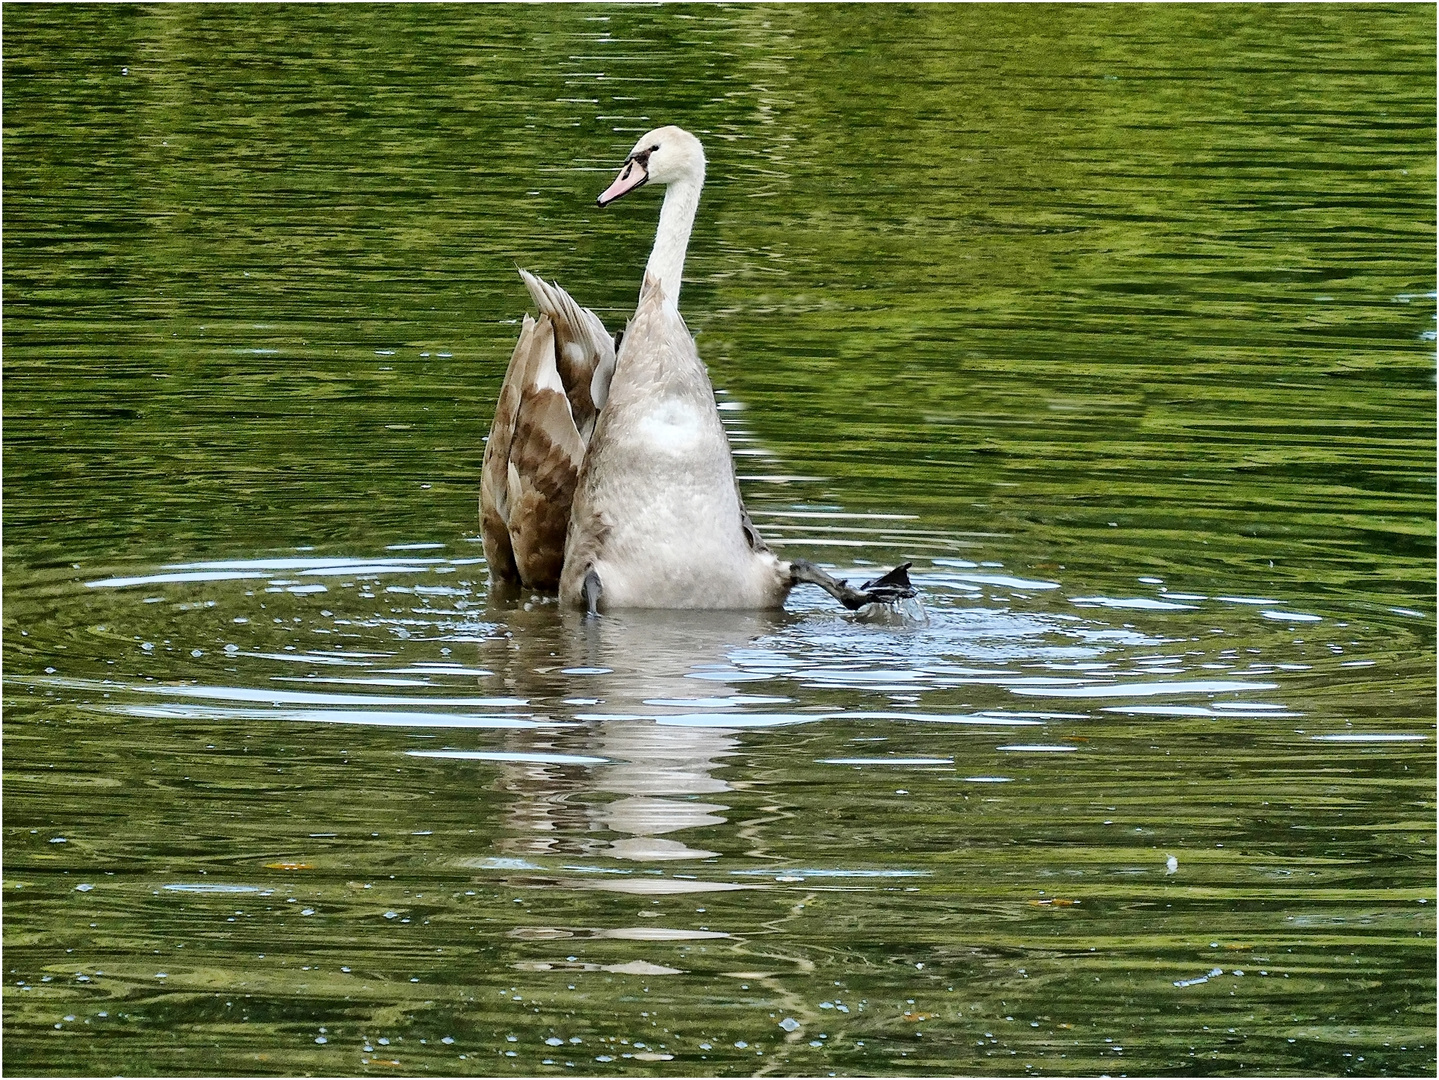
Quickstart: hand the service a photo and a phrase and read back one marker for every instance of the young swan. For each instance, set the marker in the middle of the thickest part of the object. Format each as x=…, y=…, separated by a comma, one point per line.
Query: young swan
x=656, y=517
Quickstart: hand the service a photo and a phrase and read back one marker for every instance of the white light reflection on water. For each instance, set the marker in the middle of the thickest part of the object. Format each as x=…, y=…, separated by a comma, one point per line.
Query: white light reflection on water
x=1137, y=603
x=1037, y=748
x=276, y=697
x=216, y=887
x=830, y=872
x=437, y=668
x=1207, y=686
x=1025, y=584
x=316, y=658
x=1195, y=710
x=190, y=576
x=241, y=569
x=379, y=718
x=493, y=755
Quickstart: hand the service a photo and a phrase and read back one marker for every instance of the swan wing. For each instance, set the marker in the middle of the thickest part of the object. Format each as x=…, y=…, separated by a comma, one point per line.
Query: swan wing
x=584, y=351
x=531, y=464
x=495, y=480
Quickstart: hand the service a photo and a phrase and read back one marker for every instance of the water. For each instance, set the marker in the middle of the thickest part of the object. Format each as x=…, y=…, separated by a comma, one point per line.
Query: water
x=1118, y=323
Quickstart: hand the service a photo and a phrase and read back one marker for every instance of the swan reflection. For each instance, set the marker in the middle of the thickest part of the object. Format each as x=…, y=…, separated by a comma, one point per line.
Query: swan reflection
x=651, y=763
x=631, y=781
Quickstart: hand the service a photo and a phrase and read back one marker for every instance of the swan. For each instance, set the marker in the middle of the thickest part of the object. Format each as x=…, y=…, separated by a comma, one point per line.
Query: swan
x=607, y=475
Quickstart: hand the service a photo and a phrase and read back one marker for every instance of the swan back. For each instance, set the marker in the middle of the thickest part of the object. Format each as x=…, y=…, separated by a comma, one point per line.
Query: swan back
x=657, y=513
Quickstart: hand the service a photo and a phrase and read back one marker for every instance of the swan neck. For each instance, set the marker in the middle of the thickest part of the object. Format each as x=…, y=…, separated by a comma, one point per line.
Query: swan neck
x=672, y=238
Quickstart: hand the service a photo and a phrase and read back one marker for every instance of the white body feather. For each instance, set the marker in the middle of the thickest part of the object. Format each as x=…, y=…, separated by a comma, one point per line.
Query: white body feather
x=657, y=513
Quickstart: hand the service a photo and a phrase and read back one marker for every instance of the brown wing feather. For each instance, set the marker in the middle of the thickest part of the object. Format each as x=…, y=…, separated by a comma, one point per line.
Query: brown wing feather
x=554, y=387
x=494, y=474
x=545, y=456
x=583, y=350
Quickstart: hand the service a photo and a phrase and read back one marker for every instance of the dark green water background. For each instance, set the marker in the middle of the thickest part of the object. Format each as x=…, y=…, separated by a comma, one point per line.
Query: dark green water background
x=1117, y=321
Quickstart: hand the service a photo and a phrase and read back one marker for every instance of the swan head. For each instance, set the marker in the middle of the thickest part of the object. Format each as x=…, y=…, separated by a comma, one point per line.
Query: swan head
x=664, y=156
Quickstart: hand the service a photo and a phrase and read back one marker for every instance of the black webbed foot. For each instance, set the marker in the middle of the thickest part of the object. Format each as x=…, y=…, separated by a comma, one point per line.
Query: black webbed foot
x=890, y=587
x=885, y=589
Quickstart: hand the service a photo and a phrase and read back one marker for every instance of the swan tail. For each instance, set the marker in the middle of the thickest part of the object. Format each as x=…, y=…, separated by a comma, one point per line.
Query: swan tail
x=584, y=350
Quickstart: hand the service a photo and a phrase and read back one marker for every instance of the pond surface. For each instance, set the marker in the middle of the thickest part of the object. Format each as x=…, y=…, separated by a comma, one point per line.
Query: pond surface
x=1118, y=323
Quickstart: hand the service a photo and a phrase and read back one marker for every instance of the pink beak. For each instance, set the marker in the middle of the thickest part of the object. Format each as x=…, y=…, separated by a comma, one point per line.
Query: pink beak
x=631, y=176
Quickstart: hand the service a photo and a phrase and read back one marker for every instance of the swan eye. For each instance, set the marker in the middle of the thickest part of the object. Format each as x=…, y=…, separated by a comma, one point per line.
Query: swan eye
x=643, y=156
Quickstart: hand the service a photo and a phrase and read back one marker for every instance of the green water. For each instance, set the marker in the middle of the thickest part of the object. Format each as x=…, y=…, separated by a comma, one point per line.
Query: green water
x=1117, y=321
